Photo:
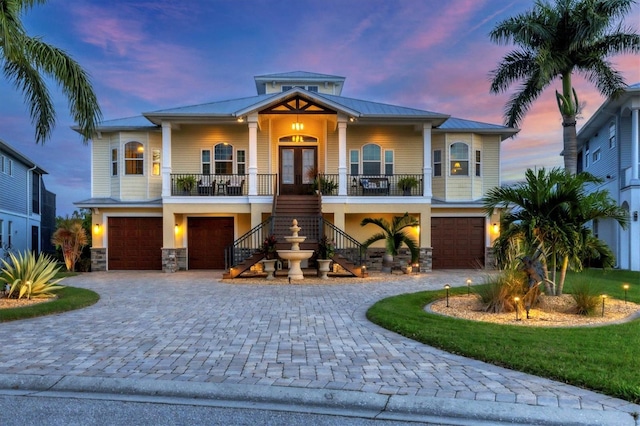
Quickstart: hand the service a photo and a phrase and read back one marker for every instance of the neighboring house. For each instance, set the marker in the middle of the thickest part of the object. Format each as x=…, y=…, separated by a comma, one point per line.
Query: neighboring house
x=202, y=185
x=608, y=148
x=26, y=211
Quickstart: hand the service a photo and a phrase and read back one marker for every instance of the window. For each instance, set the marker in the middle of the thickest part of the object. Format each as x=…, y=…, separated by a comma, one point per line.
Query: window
x=388, y=162
x=459, y=159
x=2, y=163
x=478, y=163
x=437, y=162
x=9, y=169
x=612, y=135
x=586, y=155
x=1, y=233
x=354, y=161
x=596, y=228
x=371, y=159
x=205, y=157
x=596, y=155
x=9, y=232
x=35, y=193
x=223, y=154
x=309, y=88
x=155, y=158
x=133, y=158
x=241, y=162
x=114, y=162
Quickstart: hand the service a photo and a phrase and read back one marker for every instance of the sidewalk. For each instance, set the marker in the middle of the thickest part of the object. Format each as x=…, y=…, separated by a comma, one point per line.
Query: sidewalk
x=303, y=346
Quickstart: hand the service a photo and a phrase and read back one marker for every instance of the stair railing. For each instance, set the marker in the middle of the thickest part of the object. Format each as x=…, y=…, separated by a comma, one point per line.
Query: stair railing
x=345, y=245
x=247, y=245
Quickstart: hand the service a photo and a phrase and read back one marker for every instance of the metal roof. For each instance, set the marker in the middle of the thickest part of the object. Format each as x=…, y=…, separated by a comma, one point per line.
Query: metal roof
x=112, y=202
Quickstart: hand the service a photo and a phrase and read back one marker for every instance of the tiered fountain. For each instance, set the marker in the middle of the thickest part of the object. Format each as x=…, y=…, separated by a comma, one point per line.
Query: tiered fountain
x=295, y=255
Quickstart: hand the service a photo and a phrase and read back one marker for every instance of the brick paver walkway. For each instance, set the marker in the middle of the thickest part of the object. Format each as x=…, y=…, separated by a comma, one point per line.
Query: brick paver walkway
x=189, y=326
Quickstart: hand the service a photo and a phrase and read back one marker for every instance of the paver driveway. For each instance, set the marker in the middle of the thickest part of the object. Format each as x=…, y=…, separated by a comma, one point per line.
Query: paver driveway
x=189, y=326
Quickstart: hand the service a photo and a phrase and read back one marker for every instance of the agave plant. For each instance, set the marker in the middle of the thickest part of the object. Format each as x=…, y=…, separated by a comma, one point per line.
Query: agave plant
x=29, y=277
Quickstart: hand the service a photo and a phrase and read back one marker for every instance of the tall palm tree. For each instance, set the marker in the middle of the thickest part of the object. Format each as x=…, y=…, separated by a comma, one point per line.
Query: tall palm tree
x=556, y=41
x=549, y=212
x=23, y=58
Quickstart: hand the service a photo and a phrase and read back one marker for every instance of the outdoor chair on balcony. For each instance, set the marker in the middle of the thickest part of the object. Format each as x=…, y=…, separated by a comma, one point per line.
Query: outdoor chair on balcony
x=234, y=187
x=206, y=185
x=375, y=186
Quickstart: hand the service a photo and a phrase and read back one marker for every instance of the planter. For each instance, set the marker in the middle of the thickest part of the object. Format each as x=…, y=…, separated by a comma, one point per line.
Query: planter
x=269, y=267
x=387, y=262
x=323, y=268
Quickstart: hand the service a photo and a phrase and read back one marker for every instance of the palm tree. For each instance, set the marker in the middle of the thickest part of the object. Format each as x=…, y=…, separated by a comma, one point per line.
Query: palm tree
x=555, y=41
x=71, y=238
x=393, y=234
x=23, y=58
x=546, y=216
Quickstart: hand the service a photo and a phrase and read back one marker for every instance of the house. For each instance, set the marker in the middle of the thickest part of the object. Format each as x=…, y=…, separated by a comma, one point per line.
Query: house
x=27, y=209
x=200, y=187
x=608, y=148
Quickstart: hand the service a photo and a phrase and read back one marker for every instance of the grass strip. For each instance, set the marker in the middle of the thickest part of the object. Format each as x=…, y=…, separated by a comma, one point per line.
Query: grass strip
x=69, y=298
x=603, y=359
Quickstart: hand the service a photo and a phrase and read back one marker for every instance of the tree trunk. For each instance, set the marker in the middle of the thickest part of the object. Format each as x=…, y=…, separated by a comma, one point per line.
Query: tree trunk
x=563, y=274
x=570, y=151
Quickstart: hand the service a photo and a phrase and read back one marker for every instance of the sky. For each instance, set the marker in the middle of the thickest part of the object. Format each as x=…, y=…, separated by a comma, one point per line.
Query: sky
x=148, y=55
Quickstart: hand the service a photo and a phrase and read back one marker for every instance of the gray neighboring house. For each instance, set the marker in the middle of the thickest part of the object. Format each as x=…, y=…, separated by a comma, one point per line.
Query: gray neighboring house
x=27, y=209
x=609, y=148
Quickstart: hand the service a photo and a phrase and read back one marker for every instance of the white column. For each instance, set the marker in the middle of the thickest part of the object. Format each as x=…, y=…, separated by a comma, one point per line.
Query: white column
x=426, y=160
x=253, y=155
x=342, y=157
x=166, y=159
x=635, y=140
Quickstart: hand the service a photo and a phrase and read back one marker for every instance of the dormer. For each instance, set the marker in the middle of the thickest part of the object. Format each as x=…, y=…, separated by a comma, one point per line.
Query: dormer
x=312, y=82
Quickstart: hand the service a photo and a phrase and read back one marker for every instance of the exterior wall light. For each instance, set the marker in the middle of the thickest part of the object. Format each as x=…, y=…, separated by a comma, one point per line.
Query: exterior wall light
x=495, y=228
x=176, y=228
x=96, y=228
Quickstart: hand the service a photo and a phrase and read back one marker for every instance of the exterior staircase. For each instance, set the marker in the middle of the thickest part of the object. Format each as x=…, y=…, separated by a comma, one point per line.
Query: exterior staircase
x=307, y=210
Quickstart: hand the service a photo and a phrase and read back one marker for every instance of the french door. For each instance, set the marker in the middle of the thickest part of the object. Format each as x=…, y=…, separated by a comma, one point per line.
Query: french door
x=297, y=166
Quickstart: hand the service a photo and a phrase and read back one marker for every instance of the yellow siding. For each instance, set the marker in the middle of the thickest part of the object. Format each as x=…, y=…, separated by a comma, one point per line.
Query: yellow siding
x=189, y=141
x=101, y=152
x=407, y=145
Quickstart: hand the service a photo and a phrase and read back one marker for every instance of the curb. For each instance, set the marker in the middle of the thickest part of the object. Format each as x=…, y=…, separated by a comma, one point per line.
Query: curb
x=318, y=401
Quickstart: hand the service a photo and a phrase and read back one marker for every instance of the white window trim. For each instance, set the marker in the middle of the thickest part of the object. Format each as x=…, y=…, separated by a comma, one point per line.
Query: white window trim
x=381, y=167
x=357, y=163
x=210, y=163
x=384, y=162
x=477, y=165
x=597, y=155
x=124, y=154
x=115, y=162
x=612, y=135
x=236, y=160
x=468, y=160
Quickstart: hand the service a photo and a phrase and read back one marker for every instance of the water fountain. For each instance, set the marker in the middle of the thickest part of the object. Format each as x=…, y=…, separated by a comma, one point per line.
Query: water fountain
x=295, y=255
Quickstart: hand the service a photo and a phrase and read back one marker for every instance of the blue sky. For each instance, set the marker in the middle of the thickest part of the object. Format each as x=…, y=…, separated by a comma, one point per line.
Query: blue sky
x=148, y=55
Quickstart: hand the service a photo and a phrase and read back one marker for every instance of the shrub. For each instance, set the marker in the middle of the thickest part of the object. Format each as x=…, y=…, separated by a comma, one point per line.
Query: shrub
x=28, y=276
x=497, y=296
x=586, y=296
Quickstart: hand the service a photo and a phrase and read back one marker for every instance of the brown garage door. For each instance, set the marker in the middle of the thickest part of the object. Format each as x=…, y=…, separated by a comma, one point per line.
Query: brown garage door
x=135, y=243
x=208, y=236
x=458, y=242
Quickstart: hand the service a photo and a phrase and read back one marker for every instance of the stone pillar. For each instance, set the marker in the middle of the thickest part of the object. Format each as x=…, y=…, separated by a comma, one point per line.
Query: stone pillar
x=98, y=259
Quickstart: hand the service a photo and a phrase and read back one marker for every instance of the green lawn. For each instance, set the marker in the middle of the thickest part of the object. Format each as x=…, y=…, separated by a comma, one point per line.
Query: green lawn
x=69, y=298
x=604, y=359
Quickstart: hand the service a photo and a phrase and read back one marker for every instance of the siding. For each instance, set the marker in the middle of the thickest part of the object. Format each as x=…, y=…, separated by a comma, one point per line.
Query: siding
x=190, y=140
x=102, y=185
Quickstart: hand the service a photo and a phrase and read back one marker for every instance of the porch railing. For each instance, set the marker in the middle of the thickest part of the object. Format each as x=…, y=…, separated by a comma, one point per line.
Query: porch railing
x=197, y=184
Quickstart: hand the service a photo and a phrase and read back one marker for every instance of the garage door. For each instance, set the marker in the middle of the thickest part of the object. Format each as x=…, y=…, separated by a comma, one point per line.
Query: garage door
x=208, y=236
x=135, y=243
x=458, y=243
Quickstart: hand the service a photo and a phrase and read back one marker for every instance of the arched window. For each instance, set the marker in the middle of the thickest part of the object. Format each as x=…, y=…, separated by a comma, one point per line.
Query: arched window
x=223, y=156
x=371, y=159
x=459, y=156
x=133, y=158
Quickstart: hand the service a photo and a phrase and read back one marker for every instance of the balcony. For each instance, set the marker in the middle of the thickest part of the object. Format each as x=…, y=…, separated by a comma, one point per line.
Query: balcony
x=204, y=185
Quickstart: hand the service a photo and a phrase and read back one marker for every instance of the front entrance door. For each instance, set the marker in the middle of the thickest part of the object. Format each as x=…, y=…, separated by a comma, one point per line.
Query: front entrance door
x=296, y=162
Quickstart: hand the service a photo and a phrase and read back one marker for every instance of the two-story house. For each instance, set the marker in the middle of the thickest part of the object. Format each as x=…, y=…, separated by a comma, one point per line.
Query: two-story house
x=608, y=148
x=27, y=209
x=202, y=185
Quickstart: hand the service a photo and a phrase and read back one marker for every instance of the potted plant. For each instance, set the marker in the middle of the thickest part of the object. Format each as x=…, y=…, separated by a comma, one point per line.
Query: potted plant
x=407, y=183
x=269, y=251
x=186, y=183
x=393, y=236
x=326, y=251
